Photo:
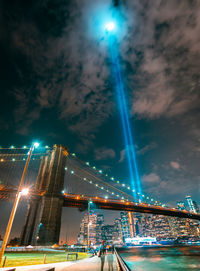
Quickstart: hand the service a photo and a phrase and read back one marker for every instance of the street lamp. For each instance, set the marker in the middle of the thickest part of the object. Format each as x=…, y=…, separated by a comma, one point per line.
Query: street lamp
x=20, y=192
x=25, y=191
x=88, y=225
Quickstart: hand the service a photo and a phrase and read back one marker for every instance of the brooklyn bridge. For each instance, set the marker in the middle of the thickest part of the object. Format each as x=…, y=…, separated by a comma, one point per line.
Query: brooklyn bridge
x=57, y=179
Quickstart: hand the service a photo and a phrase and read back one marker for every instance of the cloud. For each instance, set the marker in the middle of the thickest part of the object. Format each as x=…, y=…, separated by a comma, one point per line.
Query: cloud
x=167, y=76
x=104, y=153
x=175, y=165
x=151, y=178
x=169, y=189
x=122, y=156
x=64, y=68
x=68, y=66
x=142, y=151
x=147, y=148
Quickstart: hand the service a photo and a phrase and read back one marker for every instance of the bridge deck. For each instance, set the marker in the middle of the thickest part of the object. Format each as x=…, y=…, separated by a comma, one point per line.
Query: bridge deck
x=110, y=204
x=78, y=201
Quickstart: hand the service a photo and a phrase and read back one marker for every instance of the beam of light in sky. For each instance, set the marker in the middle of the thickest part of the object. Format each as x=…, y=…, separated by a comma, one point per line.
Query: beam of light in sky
x=110, y=26
x=128, y=138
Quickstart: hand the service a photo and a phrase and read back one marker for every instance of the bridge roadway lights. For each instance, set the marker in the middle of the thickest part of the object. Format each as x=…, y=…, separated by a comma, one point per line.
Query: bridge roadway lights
x=101, y=203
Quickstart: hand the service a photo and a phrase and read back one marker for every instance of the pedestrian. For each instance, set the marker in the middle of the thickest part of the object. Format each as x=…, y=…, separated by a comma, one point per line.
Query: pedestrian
x=110, y=262
x=102, y=251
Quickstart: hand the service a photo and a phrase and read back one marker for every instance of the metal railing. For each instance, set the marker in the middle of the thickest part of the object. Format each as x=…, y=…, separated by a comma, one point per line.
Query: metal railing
x=123, y=266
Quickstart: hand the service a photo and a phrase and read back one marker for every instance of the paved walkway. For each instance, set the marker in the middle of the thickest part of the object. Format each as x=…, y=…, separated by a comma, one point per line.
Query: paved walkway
x=103, y=263
x=41, y=267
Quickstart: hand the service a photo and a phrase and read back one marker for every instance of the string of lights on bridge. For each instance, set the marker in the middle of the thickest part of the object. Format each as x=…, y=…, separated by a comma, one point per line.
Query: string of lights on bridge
x=4, y=160
x=115, y=181
x=127, y=187
x=12, y=147
x=99, y=187
x=3, y=156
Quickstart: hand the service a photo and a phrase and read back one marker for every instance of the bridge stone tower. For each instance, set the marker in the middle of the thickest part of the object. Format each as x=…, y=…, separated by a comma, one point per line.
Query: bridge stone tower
x=43, y=221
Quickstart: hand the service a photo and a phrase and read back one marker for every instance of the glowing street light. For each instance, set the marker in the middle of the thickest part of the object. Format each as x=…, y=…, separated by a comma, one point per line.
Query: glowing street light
x=20, y=192
x=36, y=144
x=25, y=191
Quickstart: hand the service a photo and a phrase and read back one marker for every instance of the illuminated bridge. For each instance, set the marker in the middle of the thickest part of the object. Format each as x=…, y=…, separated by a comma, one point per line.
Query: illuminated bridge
x=63, y=180
x=122, y=205
x=81, y=202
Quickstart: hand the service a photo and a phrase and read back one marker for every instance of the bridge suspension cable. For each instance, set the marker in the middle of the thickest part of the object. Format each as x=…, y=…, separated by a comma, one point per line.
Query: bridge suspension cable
x=112, y=179
x=12, y=161
x=8, y=157
x=98, y=180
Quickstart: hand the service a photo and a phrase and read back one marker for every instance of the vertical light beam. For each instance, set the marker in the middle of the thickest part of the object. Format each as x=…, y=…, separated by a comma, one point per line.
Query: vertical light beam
x=128, y=137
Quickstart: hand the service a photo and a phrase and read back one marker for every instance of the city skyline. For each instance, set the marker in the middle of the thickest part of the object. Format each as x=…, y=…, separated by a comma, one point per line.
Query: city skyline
x=163, y=228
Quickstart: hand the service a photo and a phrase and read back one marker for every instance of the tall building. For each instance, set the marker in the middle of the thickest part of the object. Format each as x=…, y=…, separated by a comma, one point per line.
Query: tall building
x=117, y=233
x=181, y=227
x=100, y=223
x=190, y=204
x=144, y=225
x=95, y=223
x=125, y=225
x=181, y=205
x=161, y=227
x=112, y=234
x=196, y=207
x=107, y=234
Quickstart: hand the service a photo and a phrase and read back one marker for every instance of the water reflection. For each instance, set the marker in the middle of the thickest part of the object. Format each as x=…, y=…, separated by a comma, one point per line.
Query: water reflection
x=162, y=258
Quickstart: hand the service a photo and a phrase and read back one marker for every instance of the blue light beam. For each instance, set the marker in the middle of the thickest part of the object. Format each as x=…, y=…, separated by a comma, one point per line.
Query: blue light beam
x=128, y=137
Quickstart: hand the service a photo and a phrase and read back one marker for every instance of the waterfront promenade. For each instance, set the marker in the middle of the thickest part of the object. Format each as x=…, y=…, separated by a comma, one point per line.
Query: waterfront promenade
x=105, y=263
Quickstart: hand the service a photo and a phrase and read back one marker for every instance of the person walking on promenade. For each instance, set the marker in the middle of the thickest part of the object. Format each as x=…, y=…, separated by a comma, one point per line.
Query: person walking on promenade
x=110, y=258
x=102, y=252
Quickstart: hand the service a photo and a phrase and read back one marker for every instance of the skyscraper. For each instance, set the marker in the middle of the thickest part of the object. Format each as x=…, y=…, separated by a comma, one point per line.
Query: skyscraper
x=100, y=223
x=196, y=207
x=117, y=233
x=112, y=234
x=181, y=205
x=190, y=204
x=125, y=225
x=107, y=234
x=95, y=224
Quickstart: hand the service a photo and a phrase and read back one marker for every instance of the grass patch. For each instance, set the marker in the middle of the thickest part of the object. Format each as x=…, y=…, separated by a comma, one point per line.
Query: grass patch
x=31, y=258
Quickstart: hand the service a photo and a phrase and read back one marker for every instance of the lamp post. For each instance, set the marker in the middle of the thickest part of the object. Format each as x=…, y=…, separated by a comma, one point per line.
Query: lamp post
x=88, y=226
x=20, y=192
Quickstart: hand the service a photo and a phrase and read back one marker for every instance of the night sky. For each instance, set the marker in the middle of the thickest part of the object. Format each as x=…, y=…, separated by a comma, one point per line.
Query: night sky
x=57, y=86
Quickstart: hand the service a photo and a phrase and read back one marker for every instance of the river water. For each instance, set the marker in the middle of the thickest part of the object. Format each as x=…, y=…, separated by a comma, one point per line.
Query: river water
x=180, y=258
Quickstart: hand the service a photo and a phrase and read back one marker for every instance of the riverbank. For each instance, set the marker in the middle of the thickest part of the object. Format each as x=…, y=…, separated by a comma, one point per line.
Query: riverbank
x=165, y=258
